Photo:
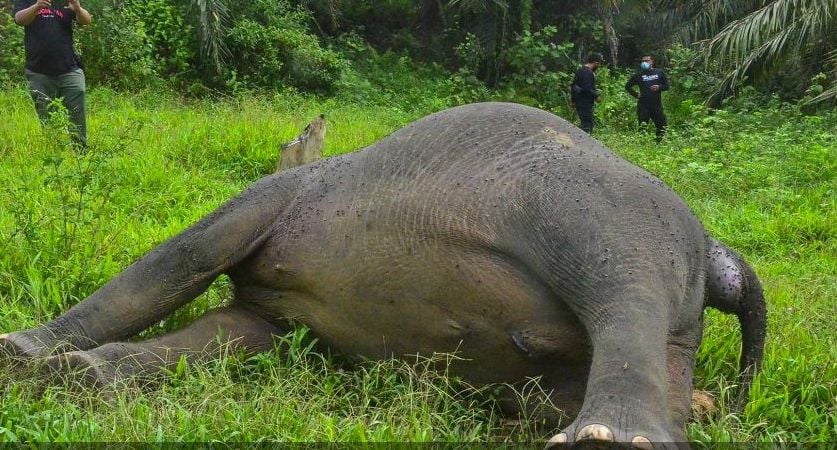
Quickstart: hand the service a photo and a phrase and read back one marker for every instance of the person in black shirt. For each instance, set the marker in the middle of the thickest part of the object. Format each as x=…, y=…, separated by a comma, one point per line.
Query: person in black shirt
x=652, y=82
x=52, y=68
x=583, y=91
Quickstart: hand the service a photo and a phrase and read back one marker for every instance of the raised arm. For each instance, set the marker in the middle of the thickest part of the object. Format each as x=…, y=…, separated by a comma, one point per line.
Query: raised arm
x=27, y=15
x=83, y=17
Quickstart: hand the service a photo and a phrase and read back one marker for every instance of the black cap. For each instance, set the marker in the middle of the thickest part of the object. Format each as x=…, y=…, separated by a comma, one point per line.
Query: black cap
x=595, y=57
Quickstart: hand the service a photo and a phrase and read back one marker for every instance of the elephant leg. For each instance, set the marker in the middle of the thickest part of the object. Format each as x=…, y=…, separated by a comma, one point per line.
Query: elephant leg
x=626, y=399
x=681, y=363
x=170, y=276
x=218, y=331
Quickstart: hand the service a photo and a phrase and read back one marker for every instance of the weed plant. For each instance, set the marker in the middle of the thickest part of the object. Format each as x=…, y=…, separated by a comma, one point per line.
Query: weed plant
x=762, y=180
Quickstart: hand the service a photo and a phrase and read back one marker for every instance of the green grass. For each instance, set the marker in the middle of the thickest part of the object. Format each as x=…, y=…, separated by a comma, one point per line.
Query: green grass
x=762, y=181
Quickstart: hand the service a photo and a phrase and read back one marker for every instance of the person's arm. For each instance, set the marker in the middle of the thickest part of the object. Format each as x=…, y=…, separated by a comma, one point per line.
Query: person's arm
x=663, y=81
x=575, y=89
x=28, y=15
x=629, y=86
x=587, y=83
x=82, y=16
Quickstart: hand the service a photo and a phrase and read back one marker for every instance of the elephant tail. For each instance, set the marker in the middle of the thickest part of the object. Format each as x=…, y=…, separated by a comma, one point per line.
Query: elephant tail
x=733, y=287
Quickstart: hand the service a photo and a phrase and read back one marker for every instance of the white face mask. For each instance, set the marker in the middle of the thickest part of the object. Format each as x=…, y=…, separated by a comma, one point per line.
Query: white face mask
x=645, y=65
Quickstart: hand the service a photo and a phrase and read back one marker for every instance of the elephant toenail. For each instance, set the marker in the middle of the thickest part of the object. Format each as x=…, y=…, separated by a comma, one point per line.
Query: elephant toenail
x=595, y=432
x=641, y=442
x=560, y=438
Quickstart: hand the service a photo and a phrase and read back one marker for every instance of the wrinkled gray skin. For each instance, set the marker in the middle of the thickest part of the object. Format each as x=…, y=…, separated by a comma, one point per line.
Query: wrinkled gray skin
x=495, y=230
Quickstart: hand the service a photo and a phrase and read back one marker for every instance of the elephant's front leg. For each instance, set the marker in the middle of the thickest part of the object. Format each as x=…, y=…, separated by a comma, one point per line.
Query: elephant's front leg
x=626, y=398
x=215, y=333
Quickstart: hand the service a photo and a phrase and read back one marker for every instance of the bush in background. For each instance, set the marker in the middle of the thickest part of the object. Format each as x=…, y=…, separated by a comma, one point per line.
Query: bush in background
x=273, y=48
x=12, y=57
x=540, y=70
x=117, y=50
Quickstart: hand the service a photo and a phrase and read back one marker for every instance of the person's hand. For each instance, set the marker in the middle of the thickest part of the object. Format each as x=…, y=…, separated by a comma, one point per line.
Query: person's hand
x=655, y=87
x=74, y=5
x=43, y=3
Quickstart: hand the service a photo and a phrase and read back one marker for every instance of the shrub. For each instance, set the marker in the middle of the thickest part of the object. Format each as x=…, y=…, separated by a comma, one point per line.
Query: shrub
x=691, y=85
x=170, y=37
x=135, y=43
x=116, y=49
x=12, y=56
x=539, y=69
x=273, y=48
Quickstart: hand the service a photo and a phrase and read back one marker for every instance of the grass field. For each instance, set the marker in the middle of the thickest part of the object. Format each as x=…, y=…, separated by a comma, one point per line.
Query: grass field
x=762, y=180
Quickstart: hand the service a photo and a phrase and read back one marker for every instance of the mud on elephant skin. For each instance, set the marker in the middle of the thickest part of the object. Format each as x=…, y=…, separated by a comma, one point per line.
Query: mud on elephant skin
x=495, y=230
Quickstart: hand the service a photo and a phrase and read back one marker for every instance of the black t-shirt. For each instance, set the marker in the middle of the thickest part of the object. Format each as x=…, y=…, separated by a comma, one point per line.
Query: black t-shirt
x=49, y=40
x=645, y=79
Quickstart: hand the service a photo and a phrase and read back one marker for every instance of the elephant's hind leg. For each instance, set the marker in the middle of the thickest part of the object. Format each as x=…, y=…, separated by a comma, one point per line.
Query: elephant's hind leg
x=231, y=328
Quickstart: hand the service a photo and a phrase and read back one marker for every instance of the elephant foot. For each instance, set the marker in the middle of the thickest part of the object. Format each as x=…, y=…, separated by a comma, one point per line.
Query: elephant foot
x=618, y=427
x=105, y=369
x=25, y=346
x=78, y=369
x=597, y=436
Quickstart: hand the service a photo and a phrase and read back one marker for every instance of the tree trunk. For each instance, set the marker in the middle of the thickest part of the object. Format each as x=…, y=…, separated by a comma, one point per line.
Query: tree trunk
x=610, y=35
x=526, y=16
x=605, y=10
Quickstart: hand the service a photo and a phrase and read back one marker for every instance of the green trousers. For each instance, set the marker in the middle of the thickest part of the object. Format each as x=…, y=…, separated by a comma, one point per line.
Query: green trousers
x=70, y=87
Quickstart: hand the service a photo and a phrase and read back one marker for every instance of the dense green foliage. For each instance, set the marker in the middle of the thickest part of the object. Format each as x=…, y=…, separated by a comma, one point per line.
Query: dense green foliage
x=531, y=48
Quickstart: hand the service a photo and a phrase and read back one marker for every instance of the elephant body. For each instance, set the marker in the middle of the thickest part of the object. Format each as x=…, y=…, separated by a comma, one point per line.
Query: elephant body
x=445, y=247
x=496, y=231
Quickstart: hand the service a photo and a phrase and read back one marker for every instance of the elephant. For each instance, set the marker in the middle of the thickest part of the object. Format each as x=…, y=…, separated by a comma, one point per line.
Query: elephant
x=494, y=230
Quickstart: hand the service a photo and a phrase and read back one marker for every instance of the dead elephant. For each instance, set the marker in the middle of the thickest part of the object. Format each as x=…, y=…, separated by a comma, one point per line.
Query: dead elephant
x=495, y=230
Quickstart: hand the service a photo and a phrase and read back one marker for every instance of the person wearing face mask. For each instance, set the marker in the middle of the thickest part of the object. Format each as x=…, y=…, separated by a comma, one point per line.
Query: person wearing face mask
x=652, y=82
x=583, y=92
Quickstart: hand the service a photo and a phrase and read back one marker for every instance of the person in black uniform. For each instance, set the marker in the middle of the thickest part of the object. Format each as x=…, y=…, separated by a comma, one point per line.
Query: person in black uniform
x=652, y=82
x=53, y=70
x=583, y=92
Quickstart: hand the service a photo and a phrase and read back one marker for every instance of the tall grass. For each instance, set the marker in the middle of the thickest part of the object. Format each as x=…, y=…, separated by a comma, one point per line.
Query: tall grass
x=762, y=181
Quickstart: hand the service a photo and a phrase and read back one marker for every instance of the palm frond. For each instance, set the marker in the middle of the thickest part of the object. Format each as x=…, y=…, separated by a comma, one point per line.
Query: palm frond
x=699, y=19
x=213, y=17
x=779, y=32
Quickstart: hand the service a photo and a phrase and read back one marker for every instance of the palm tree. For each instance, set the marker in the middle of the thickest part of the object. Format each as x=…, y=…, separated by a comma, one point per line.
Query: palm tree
x=752, y=39
x=212, y=20
x=778, y=33
x=694, y=20
x=606, y=9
